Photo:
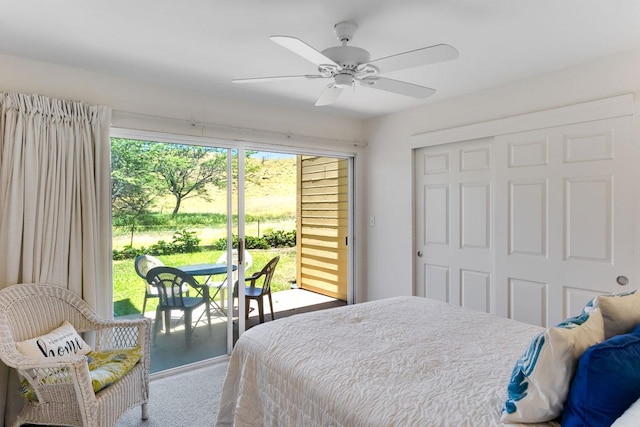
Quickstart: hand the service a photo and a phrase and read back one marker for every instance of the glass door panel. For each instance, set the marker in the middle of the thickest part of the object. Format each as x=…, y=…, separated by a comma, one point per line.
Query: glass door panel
x=297, y=209
x=170, y=201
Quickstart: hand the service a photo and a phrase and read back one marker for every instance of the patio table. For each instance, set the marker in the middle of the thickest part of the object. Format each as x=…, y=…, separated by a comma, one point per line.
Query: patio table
x=209, y=270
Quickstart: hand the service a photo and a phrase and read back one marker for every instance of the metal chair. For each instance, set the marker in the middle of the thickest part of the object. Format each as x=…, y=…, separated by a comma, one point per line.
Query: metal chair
x=170, y=283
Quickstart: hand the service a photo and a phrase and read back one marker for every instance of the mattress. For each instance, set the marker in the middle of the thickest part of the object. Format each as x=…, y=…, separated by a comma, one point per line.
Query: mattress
x=404, y=361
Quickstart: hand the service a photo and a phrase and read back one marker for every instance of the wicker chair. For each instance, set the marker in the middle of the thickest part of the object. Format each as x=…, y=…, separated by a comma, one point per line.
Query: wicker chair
x=31, y=310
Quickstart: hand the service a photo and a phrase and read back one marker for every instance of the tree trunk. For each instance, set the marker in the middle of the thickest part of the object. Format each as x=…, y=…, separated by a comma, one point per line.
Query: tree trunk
x=176, y=208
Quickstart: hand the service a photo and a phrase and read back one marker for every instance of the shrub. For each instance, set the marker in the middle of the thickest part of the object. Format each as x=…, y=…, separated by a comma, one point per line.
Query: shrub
x=250, y=243
x=182, y=242
x=280, y=238
x=221, y=244
x=128, y=252
x=186, y=241
x=256, y=243
x=162, y=248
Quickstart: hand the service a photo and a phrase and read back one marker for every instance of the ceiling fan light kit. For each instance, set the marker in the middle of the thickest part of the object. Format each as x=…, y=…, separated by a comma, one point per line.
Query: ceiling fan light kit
x=347, y=65
x=343, y=80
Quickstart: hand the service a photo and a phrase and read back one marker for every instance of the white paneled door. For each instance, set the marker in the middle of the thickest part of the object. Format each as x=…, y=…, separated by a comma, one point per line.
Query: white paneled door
x=454, y=197
x=527, y=225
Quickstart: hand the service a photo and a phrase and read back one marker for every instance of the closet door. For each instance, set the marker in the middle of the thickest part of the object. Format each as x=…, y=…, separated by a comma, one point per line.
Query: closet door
x=527, y=225
x=564, y=223
x=454, y=223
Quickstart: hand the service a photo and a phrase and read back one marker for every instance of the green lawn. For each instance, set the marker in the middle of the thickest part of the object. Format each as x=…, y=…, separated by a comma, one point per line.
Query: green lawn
x=128, y=287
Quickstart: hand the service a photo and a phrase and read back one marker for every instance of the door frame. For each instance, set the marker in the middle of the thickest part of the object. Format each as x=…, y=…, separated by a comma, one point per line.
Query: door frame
x=618, y=106
x=242, y=146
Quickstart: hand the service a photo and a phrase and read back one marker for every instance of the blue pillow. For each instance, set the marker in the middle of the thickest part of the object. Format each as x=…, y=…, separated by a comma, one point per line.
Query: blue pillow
x=606, y=383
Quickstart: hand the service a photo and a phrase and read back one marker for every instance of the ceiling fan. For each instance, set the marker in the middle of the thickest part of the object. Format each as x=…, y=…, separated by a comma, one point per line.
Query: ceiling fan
x=346, y=65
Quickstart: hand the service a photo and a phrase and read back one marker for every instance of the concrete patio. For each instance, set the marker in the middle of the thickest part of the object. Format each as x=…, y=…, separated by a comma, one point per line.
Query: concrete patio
x=170, y=349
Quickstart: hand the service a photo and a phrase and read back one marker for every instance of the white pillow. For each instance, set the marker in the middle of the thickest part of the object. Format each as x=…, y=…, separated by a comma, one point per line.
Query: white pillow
x=621, y=312
x=630, y=418
x=60, y=342
x=541, y=377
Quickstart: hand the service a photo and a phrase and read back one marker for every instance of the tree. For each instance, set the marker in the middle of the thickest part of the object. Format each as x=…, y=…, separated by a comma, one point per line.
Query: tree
x=144, y=170
x=134, y=184
x=187, y=170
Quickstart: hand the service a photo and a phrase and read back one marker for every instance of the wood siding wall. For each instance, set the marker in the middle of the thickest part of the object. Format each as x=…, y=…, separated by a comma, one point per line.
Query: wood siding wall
x=322, y=225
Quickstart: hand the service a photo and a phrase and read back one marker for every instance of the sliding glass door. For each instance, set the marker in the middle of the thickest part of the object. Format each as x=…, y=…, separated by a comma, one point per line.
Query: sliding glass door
x=223, y=213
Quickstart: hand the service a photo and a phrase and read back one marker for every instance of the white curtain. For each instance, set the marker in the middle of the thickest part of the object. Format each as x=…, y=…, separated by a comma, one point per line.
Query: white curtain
x=55, y=210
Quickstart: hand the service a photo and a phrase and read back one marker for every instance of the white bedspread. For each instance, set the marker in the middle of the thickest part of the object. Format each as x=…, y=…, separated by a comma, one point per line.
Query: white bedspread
x=404, y=361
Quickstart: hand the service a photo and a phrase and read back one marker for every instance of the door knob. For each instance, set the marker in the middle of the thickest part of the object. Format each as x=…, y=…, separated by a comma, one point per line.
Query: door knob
x=622, y=280
x=420, y=254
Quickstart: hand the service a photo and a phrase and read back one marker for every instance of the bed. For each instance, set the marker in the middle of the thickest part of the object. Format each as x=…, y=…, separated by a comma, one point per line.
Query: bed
x=403, y=361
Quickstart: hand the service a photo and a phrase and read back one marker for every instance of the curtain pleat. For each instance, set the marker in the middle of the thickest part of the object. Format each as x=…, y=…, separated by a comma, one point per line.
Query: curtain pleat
x=55, y=213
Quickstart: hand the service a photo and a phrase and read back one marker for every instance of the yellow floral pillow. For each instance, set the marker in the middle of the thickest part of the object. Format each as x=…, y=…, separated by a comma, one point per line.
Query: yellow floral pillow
x=105, y=368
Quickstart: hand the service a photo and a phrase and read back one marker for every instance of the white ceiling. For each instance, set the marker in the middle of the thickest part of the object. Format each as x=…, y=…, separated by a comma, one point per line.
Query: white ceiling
x=203, y=44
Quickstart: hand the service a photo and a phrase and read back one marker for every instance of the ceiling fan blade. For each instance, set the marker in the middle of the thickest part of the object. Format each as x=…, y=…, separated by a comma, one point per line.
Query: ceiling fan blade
x=299, y=47
x=416, y=58
x=276, y=78
x=396, y=86
x=329, y=95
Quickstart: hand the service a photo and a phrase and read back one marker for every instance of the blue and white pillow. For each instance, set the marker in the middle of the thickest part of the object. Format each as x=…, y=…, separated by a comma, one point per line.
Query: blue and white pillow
x=541, y=377
x=621, y=312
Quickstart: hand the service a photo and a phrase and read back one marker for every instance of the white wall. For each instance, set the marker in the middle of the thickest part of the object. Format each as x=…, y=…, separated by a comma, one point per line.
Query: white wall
x=137, y=104
x=389, y=191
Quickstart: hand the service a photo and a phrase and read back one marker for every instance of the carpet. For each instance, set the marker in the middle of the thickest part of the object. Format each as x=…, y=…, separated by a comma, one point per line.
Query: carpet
x=188, y=398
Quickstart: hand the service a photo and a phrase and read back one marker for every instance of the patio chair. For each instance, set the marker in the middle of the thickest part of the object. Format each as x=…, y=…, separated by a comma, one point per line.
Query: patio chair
x=142, y=265
x=59, y=389
x=171, y=283
x=259, y=287
x=248, y=259
x=220, y=287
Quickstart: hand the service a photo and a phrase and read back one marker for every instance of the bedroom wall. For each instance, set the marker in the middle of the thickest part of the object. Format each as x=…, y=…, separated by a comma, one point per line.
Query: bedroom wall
x=138, y=103
x=390, y=176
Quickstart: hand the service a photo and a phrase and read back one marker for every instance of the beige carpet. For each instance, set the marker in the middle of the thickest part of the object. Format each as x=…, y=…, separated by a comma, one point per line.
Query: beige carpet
x=189, y=398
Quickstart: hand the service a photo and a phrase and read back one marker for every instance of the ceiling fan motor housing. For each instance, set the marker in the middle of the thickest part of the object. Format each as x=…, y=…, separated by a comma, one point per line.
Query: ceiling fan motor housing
x=347, y=57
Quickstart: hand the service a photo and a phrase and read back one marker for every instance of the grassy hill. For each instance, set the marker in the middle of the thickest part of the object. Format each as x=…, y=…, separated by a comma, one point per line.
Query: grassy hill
x=271, y=190
x=270, y=194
